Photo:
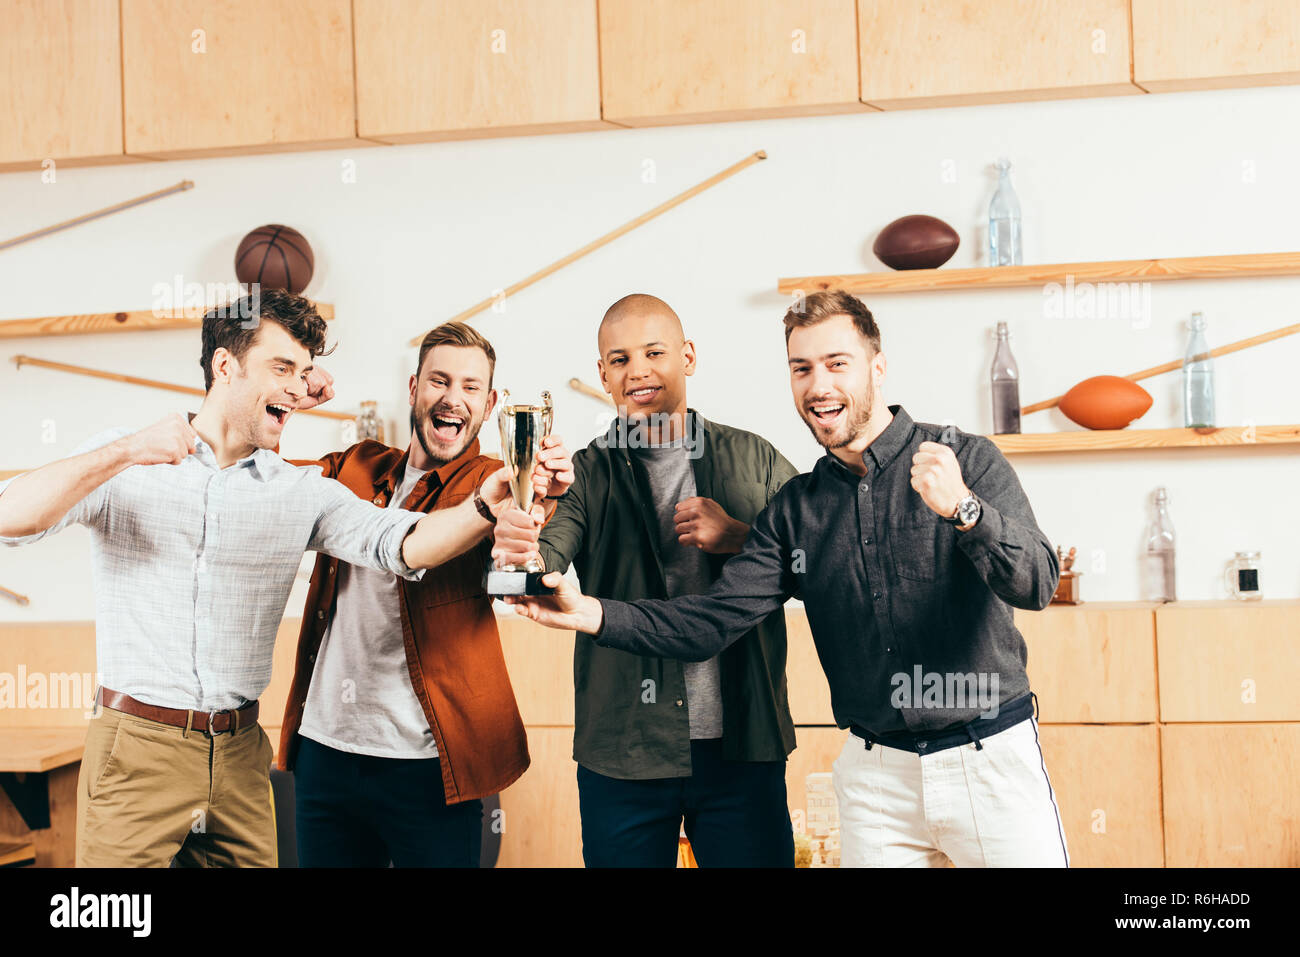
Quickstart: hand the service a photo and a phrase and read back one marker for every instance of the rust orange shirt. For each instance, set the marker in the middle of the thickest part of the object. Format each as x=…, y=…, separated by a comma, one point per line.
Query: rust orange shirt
x=453, y=649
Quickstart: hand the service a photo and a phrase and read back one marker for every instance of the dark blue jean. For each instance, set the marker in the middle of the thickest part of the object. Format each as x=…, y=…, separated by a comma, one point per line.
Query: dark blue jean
x=734, y=812
x=354, y=810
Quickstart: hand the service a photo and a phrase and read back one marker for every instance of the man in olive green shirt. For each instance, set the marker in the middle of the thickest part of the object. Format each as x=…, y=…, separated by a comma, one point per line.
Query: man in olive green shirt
x=658, y=505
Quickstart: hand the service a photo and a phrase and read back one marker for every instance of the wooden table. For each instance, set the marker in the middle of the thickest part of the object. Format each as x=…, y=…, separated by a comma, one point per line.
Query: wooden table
x=38, y=772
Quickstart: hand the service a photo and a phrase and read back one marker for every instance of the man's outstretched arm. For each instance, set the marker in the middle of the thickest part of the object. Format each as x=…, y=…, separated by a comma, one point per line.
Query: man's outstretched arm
x=36, y=502
x=753, y=584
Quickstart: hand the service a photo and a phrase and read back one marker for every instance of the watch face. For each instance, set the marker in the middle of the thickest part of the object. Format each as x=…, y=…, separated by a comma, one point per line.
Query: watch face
x=968, y=511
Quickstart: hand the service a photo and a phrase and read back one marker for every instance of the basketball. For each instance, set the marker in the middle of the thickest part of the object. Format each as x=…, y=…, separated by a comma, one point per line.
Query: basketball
x=275, y=257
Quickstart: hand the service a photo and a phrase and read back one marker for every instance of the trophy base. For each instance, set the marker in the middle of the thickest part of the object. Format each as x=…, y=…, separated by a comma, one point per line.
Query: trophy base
x=502, y=583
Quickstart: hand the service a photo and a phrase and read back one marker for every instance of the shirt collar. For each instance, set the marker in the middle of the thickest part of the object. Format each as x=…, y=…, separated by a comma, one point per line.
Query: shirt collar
x=884, y=448
x=261, y=462
x=615, y=437
x=389, y=480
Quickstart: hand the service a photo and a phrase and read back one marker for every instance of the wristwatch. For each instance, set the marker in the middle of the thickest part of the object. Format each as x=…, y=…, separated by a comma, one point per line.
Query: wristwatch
x=482, y=506
x=967, y=514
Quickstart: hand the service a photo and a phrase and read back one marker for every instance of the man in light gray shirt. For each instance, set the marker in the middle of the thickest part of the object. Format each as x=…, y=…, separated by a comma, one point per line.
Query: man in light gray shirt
x=199, y=528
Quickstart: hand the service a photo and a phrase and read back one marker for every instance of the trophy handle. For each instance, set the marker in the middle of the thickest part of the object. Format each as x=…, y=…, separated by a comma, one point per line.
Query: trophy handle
x=548, y=413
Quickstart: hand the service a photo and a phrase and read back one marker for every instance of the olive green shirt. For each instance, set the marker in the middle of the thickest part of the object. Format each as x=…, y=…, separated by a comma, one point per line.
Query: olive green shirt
x=631, y=718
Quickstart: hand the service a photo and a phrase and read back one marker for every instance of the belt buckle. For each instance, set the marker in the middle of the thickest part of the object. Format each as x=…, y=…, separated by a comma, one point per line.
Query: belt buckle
x=212, y=725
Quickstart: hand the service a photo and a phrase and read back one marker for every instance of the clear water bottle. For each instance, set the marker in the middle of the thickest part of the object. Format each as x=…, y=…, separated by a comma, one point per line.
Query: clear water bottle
x=1198, y=379
x=1004, y=220
x=1159, y=585
x=1006, y=386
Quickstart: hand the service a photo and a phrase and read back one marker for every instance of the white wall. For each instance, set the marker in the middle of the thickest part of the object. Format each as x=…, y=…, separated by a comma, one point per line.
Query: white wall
x=426, y=231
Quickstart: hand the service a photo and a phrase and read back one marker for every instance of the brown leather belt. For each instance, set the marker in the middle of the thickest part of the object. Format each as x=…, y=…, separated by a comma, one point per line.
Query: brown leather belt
x=214, y=722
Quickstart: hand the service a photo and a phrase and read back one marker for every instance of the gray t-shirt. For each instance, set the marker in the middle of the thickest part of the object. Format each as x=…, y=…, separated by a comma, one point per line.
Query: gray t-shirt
x=361, y=700
x=668, y=468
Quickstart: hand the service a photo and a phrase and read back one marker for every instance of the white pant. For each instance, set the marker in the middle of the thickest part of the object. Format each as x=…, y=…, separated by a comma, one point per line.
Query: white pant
x=978, y=807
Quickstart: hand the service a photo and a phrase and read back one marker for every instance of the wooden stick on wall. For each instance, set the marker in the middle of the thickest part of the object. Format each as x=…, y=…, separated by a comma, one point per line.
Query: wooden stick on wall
x=1178, y=363
x=106, y=211
x=609, y=237
x=577, y=385
x=21, y=599
x=150, y=383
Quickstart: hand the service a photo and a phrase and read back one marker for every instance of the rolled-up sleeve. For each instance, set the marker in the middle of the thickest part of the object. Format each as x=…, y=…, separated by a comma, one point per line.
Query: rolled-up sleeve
x=86, y=512
x=359, y=532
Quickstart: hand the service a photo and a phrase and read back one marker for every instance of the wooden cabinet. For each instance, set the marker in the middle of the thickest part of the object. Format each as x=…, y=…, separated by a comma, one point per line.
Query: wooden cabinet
x=1195, y=46
x=1231, y=795
x=241, y=76
x=1092, y=663
x=60, y=82
x=541, y=825
x=1106, y=779
x=1229, y=661
x=955, y=52
x=474, y=68
x=693, y=61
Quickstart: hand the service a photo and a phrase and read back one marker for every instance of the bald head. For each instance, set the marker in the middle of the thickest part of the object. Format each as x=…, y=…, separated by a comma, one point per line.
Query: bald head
x=641, y=306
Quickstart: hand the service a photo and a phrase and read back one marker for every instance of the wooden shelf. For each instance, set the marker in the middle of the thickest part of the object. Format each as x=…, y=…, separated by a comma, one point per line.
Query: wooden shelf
x=1001, y=277
x=1120, y=439
x=11, y=473
x=140, y=320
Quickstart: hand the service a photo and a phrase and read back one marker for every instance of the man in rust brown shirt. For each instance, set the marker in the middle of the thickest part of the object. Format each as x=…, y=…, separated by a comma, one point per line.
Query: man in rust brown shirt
x=401, y=716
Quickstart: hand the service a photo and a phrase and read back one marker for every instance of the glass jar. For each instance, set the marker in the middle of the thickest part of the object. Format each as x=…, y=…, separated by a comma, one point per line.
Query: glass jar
x=1241, y=577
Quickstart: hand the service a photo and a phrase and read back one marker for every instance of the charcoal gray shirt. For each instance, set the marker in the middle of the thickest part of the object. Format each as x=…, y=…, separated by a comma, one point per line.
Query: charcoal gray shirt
x=686, y=570
x=887, y=584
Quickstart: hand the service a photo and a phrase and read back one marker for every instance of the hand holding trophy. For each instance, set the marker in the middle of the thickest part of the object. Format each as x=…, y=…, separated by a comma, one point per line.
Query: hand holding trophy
x=522, y=429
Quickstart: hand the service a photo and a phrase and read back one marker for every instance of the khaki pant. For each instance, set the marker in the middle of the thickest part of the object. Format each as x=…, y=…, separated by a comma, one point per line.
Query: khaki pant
x=149, y=792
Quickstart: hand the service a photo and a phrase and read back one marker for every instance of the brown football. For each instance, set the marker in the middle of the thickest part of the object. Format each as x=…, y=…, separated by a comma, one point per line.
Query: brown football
x=916, y=242
x=1105, y=402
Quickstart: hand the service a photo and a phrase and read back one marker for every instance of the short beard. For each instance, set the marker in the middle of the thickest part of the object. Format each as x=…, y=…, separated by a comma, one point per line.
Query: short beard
x=854, y=428
x=439, y=460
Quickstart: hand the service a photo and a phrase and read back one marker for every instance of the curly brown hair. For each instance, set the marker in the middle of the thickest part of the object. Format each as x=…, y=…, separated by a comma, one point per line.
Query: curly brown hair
x=234, y=326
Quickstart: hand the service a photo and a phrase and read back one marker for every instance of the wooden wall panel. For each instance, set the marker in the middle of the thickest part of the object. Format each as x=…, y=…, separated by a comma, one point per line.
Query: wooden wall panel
x=692, y=61
x=1229, y=661
x=810, y=694
x=56, y=656
x=1232, y=795
x=474, y=68
x=60, y=82
x=1092, y=663
x=1195, y=46
x=276, y=74
x=540, y=663
x=1107, y=785
x=955, y=52
x=542, y=826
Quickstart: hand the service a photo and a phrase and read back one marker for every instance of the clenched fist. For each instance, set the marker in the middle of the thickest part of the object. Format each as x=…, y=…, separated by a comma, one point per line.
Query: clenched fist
x=167, y=442
x=937, y=477
x=702, y=522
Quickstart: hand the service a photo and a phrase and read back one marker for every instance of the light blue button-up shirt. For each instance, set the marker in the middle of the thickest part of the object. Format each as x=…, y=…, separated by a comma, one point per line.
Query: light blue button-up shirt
x=193, y=565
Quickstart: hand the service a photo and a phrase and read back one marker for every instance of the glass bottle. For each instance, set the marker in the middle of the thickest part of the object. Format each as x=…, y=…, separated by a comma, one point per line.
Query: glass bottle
x=1160, y=552
x=1004, y=220
x=1006, y=386
x=1198, y=379
x=369, y=425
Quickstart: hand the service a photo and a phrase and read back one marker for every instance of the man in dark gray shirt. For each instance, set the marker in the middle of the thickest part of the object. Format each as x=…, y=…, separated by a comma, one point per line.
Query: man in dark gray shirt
x=909, y=544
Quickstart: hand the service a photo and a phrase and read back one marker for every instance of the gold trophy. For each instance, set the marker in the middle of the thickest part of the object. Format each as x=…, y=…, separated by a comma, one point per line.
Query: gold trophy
x=522, y=429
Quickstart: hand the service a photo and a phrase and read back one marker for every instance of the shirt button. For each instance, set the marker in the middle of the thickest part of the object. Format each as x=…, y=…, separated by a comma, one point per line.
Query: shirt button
x=889, y=650
x=864, y=487
x=679, y=702
x=866, y=541
x=379, y=499
x=920, y=745
x=876, y=596
x=321, y=614
x=311, y=657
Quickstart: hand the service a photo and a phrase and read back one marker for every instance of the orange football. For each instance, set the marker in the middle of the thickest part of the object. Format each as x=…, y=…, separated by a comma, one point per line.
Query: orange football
x=1105, y=402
